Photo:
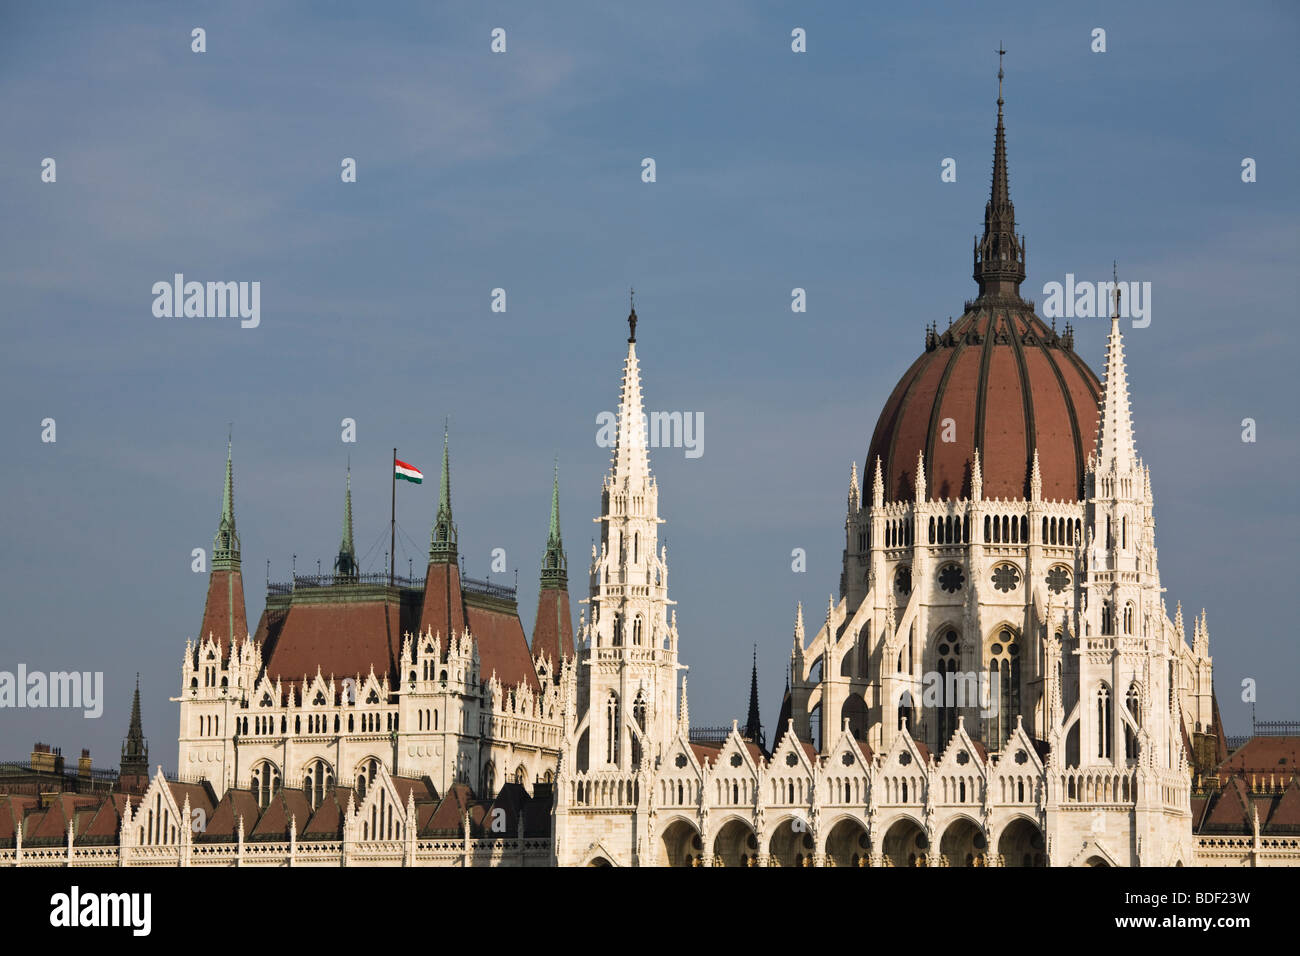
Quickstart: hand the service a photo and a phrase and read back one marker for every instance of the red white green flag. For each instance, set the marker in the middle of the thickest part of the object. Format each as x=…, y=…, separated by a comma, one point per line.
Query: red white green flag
x=407, y=472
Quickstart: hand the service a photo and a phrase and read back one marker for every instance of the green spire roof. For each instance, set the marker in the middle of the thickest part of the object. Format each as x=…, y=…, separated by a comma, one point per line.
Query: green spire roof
x=346, y=563
x=225, y=543
x=555, y=566
x=442, y=545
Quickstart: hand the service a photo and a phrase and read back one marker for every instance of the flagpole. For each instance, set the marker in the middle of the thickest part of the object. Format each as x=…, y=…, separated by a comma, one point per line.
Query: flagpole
x=392, y=524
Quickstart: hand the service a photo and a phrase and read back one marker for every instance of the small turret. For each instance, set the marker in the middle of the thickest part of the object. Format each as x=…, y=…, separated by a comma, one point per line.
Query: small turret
x=442, y=543
x=135, y=748
x=345, y=565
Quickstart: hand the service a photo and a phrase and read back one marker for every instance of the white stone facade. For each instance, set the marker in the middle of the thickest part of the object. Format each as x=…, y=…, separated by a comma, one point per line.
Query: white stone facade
x=1053, y=606
x=239, y=729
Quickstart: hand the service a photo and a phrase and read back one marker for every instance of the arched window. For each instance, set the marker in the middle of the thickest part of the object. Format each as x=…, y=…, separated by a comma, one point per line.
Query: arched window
x=636, y=630
x=1004, y=679
x=618, y=630
x=1123, y=532
x=948, y=655
x=905, y=713
x=365, y=776
x=1104, y=726
x=265, y=782
x=638, y=718
x=611, y=724
x=1128, y=618
x=636, y=546
x=317, y=780
x=1133, y=701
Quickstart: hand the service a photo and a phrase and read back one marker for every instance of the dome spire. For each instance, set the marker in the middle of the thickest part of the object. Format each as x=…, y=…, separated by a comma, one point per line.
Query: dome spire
x=1000, y=254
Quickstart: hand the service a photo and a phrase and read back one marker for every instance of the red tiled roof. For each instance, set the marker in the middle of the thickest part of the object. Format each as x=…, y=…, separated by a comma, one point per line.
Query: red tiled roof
x=705, y=754
x=341, y=639
x=447, y=817
x=1286, y=811
x=553, y=629
x=1279, y=756
x=223, y=610
x=443, y=611
x=502, y=647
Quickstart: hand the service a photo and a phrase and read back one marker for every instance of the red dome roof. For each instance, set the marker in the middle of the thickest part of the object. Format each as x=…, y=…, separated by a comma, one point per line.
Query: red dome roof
x=1009, y=385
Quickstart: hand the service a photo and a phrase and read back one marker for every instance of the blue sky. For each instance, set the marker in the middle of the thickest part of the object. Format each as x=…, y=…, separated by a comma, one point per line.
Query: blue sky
x=522, y=171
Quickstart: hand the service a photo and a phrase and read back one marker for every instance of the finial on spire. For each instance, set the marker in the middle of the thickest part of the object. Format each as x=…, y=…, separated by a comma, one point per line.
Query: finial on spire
x=1001, y=54
x=1000, y=254
x=1114, y=267
x=631, y=317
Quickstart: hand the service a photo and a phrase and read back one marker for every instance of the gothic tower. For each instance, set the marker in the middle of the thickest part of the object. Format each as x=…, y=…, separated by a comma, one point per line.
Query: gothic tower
x=223, y=611
x=627, y=690
x=443, y=612
x=553, y=629
x=135, y=748
x=345, y=565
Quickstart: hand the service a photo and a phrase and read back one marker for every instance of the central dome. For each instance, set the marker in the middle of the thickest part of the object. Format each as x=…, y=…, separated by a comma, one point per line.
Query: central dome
x=1001, y=381
x=998, y=381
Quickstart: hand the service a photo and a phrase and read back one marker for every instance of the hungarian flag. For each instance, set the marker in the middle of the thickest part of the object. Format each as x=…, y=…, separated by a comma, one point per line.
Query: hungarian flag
x=407, y=472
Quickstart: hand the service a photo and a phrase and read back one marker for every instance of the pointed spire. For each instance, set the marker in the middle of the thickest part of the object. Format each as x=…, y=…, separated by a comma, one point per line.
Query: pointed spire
x=684, y=712
x=976, y=478
x=1000, y=254
x=798, y=628
x=135, y=748
x=225, y=543
x=1178, y=619
x=878, y=486
x=555, y=564
x=630, y=465
x=1115, y=453
x=345, y=565
x=442, y=544
x=753, y=724
x=920, y=476
x=1035, y=479
x=855, y=495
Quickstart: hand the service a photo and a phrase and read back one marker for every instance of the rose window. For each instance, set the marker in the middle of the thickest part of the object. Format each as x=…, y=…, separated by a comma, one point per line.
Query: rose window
x=1005, y=577
x=1058, y=579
